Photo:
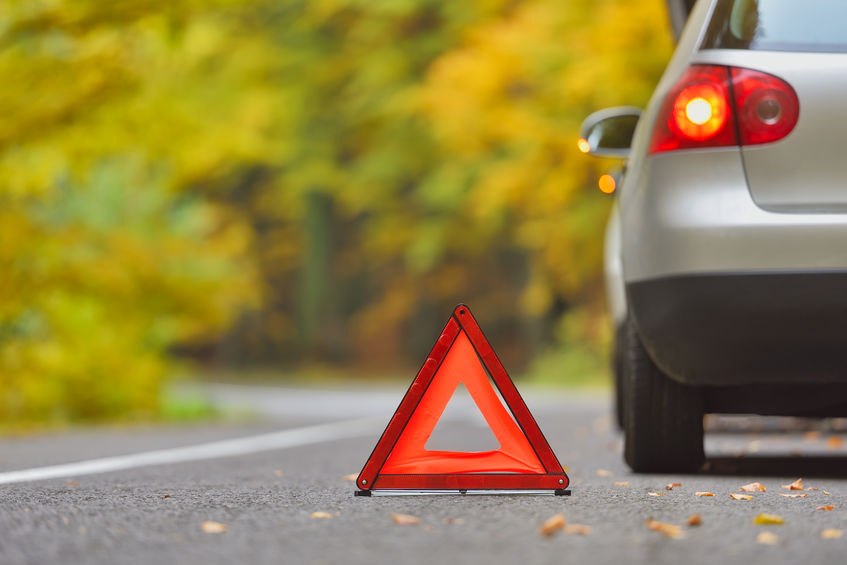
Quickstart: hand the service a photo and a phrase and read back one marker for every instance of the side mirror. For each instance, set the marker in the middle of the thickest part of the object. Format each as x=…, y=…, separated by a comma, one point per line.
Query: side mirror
x=608, y=133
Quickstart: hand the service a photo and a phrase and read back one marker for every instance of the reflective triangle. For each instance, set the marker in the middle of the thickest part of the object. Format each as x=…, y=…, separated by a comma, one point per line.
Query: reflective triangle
x=463, y=356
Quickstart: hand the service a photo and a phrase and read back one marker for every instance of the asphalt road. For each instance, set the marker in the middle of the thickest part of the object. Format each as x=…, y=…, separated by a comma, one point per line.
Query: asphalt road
x=265, y=490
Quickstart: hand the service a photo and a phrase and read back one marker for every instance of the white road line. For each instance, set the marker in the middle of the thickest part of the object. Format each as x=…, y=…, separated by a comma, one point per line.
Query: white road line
x=214, y=450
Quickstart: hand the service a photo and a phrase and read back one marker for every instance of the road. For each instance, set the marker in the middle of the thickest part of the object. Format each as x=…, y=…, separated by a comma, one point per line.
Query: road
x=264, y=479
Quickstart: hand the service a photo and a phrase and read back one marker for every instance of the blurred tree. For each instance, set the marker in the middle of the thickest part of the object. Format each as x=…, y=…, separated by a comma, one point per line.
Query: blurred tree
x=319, y=179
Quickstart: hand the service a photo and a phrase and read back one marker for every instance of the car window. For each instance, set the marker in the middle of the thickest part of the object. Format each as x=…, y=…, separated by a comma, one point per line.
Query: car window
x=778, y=25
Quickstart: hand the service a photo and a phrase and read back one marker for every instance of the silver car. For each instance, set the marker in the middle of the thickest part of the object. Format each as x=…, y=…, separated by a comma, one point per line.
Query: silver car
x=726, y=252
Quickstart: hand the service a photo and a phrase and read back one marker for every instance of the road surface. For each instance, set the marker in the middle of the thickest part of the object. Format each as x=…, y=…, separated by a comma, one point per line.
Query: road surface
x=142, y=495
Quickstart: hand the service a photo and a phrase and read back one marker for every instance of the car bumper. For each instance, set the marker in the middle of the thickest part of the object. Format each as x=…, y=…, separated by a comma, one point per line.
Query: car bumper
x=741, y=329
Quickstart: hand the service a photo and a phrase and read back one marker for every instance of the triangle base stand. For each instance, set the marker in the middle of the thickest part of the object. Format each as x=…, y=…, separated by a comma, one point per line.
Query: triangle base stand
x=497, y=492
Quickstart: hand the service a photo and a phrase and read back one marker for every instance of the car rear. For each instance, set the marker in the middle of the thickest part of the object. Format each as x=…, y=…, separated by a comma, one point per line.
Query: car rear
x=734, y=211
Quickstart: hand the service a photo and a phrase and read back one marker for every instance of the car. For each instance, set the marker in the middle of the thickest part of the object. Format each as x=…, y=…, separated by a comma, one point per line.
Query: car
x=726, y=248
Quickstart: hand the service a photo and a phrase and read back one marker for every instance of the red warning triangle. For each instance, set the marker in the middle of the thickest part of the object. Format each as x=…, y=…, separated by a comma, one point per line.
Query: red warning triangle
x=400, y=460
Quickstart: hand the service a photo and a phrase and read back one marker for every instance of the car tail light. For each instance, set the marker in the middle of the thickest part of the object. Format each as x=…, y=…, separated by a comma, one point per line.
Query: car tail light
x=717, y=106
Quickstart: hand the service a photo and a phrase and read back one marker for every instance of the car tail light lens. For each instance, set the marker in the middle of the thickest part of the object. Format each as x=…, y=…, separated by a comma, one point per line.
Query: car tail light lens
x=767, y=106
x=717, y=106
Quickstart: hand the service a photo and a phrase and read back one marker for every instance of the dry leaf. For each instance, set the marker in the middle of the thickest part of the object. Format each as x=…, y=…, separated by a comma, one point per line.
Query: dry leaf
x=352, y=477
x=753, y=487
x=811, y=436
x=577, y=529
x=826, y=492
x=796, y=485
x=454, y=520
x=812, y=488
x=669, y=530
x=73, y=484
x=166, y=496
x=804, y=495
x=279, y=473
x=740, y=496
x=320, y=515
x=671, y=486
x=834, y=442
x=603, y=473
x=694, y=520
x=768, y=519
x=767, y=538
x=621, y=483
x=703, y=493
x=552, y=525
x=830, y=507
x=405, y=519
x=655, y=494
x=214, y=527
x=831, y=534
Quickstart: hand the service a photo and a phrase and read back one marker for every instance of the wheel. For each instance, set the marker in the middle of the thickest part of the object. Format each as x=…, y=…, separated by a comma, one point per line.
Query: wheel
x=618, y=350
x=664, y=419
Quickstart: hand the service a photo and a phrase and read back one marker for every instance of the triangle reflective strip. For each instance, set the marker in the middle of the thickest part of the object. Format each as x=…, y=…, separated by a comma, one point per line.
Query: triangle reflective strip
x=463, y=355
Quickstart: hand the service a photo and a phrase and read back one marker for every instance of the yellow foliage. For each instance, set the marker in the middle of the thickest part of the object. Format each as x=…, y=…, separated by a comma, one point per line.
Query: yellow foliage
x=288, y=173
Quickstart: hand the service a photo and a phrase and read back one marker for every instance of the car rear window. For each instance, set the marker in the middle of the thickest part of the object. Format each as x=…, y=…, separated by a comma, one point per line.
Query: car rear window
x=778, y=25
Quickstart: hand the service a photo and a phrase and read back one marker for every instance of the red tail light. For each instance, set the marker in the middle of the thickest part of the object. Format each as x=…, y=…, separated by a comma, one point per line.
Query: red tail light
x=717, y=106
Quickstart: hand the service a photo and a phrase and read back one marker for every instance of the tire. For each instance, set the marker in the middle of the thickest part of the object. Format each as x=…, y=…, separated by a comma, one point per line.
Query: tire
x=664, y=419
x=618, y=350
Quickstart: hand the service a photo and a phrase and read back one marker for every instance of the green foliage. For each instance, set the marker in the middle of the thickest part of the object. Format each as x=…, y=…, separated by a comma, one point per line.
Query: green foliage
x=294, y=181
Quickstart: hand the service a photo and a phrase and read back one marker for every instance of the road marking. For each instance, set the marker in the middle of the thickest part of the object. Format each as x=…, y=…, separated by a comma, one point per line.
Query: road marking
x=213, y=450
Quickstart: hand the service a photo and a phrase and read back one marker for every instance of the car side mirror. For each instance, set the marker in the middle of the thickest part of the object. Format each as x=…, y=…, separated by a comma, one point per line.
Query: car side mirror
x=608, y=133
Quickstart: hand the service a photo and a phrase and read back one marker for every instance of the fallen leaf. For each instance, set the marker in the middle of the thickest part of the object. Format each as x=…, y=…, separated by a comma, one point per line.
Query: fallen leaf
x=352, y=477
x=577, y=529
x=214, y=527
x=655, y=494
x=796, y=485
x=753, y=487
x=834, y=442
x=825, y=492
x=670, y=530
x=320, y=515
x=73, y=484
x=166, y=496
x=804, y=495
x=621, y=483
x=552, y=525
x=812, y=488
x=740, y=496
x=830, y=507
x=694, y=520
x=831, y=534
x=454, y=520
x=703, y=493
x=405, y=519
x=671, y=486
x=603, y=473
x=768, y=519
x=811, y=436
x=279, y=473
x=767, y=538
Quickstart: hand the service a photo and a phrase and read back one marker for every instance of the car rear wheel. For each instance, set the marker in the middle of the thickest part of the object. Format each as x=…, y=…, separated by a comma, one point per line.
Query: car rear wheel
x=664, y=419
x=619, y=350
